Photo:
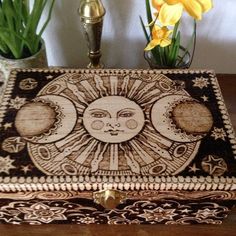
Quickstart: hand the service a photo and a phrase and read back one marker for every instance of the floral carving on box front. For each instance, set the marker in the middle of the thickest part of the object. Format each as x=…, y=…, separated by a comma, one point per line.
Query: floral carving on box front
x=137, y=212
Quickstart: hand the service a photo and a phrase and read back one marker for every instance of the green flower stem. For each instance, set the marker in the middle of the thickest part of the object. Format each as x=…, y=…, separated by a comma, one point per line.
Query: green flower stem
x=173, y=45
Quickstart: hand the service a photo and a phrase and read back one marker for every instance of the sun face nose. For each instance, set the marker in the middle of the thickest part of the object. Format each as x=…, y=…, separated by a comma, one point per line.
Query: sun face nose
x=113, y=123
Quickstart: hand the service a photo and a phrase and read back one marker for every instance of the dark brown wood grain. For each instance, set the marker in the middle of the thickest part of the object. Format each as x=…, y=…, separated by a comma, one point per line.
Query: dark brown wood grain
x=228, y=228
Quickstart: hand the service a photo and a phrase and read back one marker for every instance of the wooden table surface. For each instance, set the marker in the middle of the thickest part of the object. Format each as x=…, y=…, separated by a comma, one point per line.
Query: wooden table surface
x=228, y=228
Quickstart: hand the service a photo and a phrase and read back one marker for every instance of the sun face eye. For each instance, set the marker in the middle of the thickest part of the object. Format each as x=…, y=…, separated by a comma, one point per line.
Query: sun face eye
x=126, y=114
x=98, y=114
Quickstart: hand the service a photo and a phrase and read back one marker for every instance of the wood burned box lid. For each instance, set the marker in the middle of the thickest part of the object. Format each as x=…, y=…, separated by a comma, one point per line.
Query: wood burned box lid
x=115, y=129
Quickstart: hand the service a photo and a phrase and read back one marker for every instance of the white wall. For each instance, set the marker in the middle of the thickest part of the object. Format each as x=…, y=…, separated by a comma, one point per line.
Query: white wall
x=123, y=40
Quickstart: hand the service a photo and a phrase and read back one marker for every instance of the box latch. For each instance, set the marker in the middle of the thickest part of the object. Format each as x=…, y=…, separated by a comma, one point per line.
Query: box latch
x=109, y=199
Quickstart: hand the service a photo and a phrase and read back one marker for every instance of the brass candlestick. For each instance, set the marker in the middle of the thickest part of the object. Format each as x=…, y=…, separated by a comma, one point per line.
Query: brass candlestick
x=91, y=14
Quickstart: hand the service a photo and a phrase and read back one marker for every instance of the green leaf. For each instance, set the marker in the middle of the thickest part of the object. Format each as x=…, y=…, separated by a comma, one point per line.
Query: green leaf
x=13, y=47
x=19, y=25
x=3, y=47
x=176, y=49
x=25, y=10
x=171, y=47
x=144, y=29
x=149, y=15
x=48, y=17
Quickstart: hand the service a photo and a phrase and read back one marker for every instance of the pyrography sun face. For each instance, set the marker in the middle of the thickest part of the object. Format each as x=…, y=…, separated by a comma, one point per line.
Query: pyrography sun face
x=112, y=125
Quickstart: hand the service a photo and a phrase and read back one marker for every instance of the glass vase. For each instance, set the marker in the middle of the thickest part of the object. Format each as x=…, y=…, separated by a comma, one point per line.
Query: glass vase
x=183, y=62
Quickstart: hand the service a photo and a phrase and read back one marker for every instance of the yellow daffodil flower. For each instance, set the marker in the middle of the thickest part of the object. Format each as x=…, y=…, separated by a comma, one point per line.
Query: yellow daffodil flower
x=170, y=11
x=157, y=4
x=160, y=36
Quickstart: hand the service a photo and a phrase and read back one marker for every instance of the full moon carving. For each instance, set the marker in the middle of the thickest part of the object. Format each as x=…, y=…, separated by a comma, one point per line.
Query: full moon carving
x=113, y=125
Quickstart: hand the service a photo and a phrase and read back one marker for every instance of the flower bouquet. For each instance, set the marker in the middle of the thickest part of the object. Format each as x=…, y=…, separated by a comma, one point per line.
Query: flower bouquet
x=164, y=49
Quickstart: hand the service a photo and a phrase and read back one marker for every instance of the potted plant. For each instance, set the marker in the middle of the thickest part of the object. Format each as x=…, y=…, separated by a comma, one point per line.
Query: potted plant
x=21, y=43
x=164, y=48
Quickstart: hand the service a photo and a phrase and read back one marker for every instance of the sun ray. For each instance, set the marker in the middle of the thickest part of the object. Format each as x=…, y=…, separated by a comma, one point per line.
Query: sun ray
x=149, y=102
x=52, y=166
x=144, y=91
x=154, y=93
x=134, y=88
x=74, y=89
x=98, y=157
x=86, y=152
x=157, y=137
x=79, y=107
x=141, y=152
x=124, y=86
x=80, y=143
x=114, y=85
x=100, y=85
x=70, y=138
x=171, y=166
x=114, y=165
x=93, y=94
x=75, y=147
x=157, y=149
x=131, y=162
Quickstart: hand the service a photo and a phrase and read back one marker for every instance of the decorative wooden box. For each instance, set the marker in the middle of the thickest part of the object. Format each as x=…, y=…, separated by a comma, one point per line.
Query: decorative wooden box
x=115, y=147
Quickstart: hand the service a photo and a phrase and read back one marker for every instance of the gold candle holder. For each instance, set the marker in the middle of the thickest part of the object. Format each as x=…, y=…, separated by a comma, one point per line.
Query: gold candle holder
x=91, y=14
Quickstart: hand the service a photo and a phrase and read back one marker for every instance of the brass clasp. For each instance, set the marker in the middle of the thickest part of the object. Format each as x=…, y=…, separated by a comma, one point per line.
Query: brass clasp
x=109, y=199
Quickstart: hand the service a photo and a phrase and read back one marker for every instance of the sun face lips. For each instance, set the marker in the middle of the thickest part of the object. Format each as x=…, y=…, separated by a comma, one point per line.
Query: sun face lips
x=114, y=132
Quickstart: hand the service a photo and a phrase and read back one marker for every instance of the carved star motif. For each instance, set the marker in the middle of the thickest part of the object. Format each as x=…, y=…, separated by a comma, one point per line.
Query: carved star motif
x=185, y=211
x=17, y=102
x=6, y=164
x=205, y=213
x=13, y=144
x=200, y=82
x=218, y=133
x=26, y=169
x=7, y=125
x=193, y=168
x=159, y=214
x=205, y=98
x=43, y=213
x=87, y=220
x=166, y=205
x=212, y=163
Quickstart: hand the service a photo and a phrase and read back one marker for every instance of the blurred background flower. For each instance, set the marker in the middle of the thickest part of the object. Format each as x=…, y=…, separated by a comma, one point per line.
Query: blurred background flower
x=164, y=48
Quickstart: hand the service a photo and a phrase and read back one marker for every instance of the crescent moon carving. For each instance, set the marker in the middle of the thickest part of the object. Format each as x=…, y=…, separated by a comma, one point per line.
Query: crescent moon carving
x=181, y=118
x=52, y=118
